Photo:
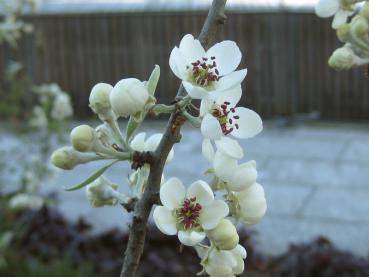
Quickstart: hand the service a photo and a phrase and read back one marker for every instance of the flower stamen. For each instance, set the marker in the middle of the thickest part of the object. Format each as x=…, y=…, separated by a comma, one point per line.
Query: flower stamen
x=205, y=73
x=226, y=121
x=188, y=215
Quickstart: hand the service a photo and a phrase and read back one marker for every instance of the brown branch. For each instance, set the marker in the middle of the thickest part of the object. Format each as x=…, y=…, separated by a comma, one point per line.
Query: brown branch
x=214, y=19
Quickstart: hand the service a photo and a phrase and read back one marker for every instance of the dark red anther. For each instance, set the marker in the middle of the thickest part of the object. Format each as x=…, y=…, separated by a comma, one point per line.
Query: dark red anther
x=204, y=59
x=223, y=106
x=216, y=71
x=236, y=117
x=236, y=125
x=230, y=121
x=214, y=64
x=213, y=58
x=232, y=110
x=227, y=103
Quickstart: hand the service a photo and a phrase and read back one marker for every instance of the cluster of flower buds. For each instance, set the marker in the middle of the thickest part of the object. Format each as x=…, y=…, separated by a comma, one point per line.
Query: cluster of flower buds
x=192, y=213
x=353, y=33
x=129, y=97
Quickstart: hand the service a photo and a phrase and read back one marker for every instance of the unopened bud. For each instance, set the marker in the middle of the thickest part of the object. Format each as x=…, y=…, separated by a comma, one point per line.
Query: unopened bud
x=100, y=102
x=67, y=158
x=83, y=138
x=343, y=32
x=99, y=192
x=128, y=97
x=342, y=58
x=224, y=235
x=360, y=26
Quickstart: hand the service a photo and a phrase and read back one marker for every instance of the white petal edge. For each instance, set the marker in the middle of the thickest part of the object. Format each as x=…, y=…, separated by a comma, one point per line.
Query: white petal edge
x=230, y=147
x=172, y=193
x=227, y=56
x=208, y=150
x=202, y=191
x=190, y=238
x=138, y=142
x=206, y=105
x=178, y=63
x=224, y=166
x=195, y=92
x=164, y=220
x=232, y=95
x=210, y=127
x=212, y=214
x=250, y=123
x=231, y=80
x=191, y=49
x=340, y=18
x=327, y=8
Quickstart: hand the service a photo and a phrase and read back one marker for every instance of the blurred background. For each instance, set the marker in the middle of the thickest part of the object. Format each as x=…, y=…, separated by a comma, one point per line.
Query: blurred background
x=312, y=156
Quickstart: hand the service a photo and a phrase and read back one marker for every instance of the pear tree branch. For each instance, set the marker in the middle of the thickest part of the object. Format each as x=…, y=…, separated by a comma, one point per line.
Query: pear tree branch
x=172, y=135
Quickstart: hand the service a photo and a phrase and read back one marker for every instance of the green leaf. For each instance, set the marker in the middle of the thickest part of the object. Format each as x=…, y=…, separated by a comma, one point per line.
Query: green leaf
x=153, y=80
x=92, y=178
x=131, y=127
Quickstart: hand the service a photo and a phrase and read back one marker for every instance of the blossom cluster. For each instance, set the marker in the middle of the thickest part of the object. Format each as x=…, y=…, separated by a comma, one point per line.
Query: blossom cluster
x=351, y=22
x=11, y=26
x=55, y=106
x=204, y=214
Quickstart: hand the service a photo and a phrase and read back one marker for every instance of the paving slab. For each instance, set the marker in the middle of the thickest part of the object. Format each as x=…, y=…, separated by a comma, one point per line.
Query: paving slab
x=316, y=173
x=347, y=205
x=275, y=234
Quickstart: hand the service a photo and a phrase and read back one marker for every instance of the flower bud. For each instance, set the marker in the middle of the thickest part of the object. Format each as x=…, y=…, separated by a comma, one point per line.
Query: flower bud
x=342, y=58
x=224, y=235
x=359, y=27
x=105, y=135
x=343, y=32
x=83, y=138
x=252, y=204
x=65, y=158
x=128, y=97
x=99, y=192
x=99, y=100
x=244, y=176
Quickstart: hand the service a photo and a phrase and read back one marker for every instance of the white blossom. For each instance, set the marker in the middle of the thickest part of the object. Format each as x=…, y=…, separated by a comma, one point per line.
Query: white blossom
x=221, y=117
x=26, y=201
x=39, y=119
x=251, y=204
x=206, y=72
x=62, y=107
x=128, y=97
x=340, y=9
x=99, y=192
x=189, y=213
x=223, y=263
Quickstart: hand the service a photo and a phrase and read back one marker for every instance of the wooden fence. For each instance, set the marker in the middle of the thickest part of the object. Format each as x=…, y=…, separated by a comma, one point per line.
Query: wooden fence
x=285, y=53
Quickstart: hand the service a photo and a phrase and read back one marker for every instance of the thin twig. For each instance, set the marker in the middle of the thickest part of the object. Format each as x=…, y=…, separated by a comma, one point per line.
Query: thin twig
x=214, y=19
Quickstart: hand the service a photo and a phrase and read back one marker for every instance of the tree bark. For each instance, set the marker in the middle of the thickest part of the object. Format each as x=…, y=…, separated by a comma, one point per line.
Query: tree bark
x=214, y=19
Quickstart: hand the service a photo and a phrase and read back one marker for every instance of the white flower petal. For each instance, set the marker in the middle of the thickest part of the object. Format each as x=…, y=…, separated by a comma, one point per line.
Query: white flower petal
x=191, y=49
x=212, y=214
x=195, y=92
x=202, y=191
x=164, y=220
x=230, y=147
x=227, y=56
x=240, y=250
x=152, y=142
x=172, y=193
x=327, y=8
x=231, y=80
x=138, y=142
x=232, y=95
x=210, y=127
x=206, y=105
x=244, y=177
x=190, y=238
x=178, y=63
x=250, y=123
x=340, y=18
x=253, y=204
x=224, y=166
x=208, y=150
